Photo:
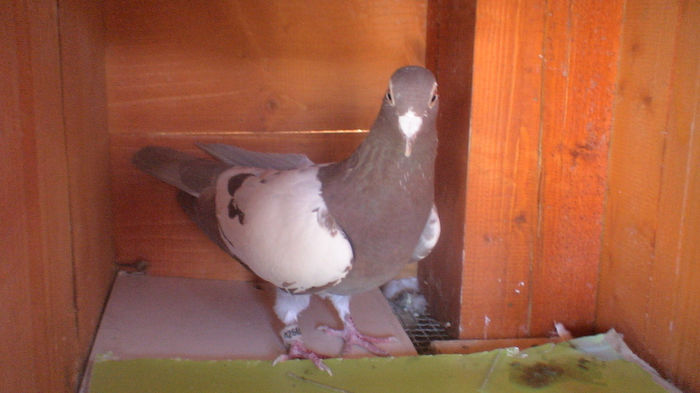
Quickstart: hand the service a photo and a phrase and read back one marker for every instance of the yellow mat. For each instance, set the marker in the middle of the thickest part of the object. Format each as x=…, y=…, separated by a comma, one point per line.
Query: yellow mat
x=589, y=364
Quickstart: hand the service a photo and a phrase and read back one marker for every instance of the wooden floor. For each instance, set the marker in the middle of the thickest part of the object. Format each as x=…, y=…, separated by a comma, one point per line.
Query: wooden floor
x=165, y=317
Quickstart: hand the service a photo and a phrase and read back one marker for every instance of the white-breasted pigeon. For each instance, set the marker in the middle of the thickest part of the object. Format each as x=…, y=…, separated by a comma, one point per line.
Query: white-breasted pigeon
x=328, y=229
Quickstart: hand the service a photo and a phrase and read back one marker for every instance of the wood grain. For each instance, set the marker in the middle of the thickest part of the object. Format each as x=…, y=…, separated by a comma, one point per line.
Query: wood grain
x=87, y=149
x=37, y=323
x=649, y=266
x=529, y=179
x=476, y=345
x=580, y=67
x=502, y=185
x=150, y=225
x=224, y=65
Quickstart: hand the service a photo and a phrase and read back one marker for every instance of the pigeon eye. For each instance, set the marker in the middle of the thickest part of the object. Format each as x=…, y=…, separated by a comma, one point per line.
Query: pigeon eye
x=433, y=97
x=433, y=100
x=389, y=98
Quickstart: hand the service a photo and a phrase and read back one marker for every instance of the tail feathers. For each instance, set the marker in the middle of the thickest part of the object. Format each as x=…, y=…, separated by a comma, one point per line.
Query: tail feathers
x=186, y=172
x=236, y=156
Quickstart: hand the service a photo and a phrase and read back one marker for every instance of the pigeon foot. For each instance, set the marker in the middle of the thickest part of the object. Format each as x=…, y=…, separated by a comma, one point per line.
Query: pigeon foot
x=352, y=337
x=297, y=350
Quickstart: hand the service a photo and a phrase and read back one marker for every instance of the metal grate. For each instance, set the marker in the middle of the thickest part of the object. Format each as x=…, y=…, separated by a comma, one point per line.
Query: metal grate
x=420, y=328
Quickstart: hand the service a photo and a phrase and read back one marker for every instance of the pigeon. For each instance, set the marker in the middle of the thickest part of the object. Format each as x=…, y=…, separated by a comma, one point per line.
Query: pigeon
x=333, y=229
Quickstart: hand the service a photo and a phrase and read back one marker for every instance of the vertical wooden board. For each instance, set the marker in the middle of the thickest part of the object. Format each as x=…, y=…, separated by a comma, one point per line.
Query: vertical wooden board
x=674, y=299
x=246, y=65
x=87, y=150
x=38, y=329
x=686, y=317
x=501, y=194
x=672, y=312
x=580, y=63
x=16, y=328
x=148, y=222
x=635, y=252
x=450, y=48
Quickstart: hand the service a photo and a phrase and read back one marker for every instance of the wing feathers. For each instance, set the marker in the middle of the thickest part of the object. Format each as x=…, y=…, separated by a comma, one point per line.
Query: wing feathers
x=186, y=172
x=240, y=157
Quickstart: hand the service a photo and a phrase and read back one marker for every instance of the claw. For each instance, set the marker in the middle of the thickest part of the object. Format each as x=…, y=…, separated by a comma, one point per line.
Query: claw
x=351, y=336
x=297, y=350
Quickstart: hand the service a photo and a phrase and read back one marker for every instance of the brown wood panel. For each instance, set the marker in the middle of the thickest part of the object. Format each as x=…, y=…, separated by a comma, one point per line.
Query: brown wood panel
x=150, y=225
x=87, y=150
x=178, y=65
x=649, y=271
x=440, y=275
x=501, y=197
x=580, y=67
x=685, y=358
x=480, y=345
x=525, y=189
x=37, y=325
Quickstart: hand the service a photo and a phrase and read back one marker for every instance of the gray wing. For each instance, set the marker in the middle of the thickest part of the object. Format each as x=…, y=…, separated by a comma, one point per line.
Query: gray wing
x=429, y=237
x=236, y=156
x=186, y=172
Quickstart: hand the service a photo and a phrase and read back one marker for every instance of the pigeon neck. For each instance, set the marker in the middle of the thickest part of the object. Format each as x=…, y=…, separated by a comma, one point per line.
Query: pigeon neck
x=381, y=157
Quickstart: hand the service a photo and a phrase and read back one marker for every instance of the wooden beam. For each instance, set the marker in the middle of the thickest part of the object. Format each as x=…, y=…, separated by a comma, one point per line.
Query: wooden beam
x=521, y=167
x=579, y=72
x=450, y=49
x=87, y=149
x=38, y=331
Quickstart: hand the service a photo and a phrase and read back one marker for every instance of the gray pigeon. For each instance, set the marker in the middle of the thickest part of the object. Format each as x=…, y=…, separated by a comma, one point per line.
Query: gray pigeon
x=327, y=229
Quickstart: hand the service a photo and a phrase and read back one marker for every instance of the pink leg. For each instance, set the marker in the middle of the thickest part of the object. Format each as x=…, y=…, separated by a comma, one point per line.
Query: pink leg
x=287, y=308
x=297, y=350
x=350, y=335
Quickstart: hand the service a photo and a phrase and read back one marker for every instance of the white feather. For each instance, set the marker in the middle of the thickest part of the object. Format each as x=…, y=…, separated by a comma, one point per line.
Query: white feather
x=409, y=123
x=283, y=238
x=288, y=306
x=429, y=237
x=341, y=303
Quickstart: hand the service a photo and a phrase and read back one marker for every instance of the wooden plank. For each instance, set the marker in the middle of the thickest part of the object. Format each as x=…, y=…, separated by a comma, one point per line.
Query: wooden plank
x=450, y=48
x=501, y=192
x=37, y=327
x=667, y=339
x=683, y=120
x=686, y=317
x=580, y=63
x=652, y=231
x=149, y=224
x=532, y=190
x=476, y=345
x=87, y=149
x=635, y=169
x=243, y=65
x=15, y=294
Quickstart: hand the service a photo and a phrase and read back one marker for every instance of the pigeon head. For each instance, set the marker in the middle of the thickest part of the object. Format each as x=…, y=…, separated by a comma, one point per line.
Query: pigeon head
x=410, y=105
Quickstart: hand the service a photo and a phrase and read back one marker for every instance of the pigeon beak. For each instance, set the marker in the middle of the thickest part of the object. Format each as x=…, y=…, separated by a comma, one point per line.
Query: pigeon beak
x=409, y=146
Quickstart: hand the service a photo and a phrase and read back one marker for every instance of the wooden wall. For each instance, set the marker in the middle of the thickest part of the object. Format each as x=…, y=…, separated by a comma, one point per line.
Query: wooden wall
x=283, y=75
x=560, y=121
x=524, y=248
x=55, y=237
x=650, y=267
